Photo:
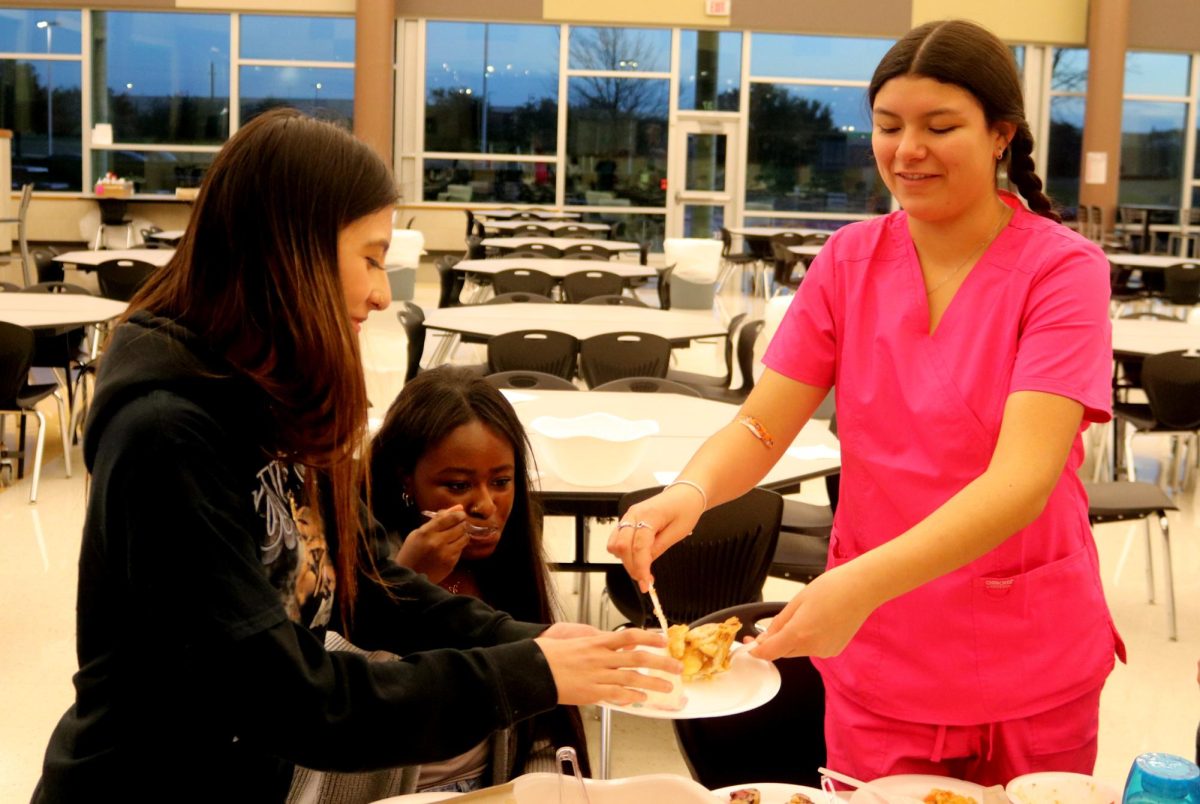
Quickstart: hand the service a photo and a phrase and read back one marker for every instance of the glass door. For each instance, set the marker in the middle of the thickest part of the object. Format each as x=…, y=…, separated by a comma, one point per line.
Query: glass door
x=702, y=175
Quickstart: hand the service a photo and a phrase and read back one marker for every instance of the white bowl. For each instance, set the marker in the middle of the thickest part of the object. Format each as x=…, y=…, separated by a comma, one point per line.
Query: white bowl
x=1056, y=786
x=597, y=449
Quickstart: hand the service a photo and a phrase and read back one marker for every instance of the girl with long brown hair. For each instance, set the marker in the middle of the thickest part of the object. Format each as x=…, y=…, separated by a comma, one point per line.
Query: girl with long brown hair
x=225, y=533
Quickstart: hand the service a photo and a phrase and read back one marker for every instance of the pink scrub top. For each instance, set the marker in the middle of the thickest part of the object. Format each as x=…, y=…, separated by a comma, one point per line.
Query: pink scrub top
x=1024, y=628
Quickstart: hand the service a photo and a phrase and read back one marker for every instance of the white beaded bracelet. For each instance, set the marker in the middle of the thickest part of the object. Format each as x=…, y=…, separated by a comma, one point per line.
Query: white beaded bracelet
x=693, y=484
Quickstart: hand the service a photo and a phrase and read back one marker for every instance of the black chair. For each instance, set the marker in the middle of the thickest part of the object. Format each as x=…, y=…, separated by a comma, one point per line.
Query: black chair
x=723, y=563
x=451, y=281
x=67, y=352
x=1171, y=382
x=730, y=750
x=148, y=241
x=747, y=337
x=530, y=229
x=573, y=230
x=617, y=300
x=784, y=260
x=538, y=250
x=120, y=279
x=412, y=318
x=533, y=350
x=1181, y=285
x=19, y=398
x=580, y=285
x=520, y=298
x=732, y=259
x=523, y=280
x=588, y=251
x=614, y=355
x=533, y=380
x=475, y=248
x=46, y=268
x=1123, y=501
x=696, y=379
x=647, y=385
x=803, y=549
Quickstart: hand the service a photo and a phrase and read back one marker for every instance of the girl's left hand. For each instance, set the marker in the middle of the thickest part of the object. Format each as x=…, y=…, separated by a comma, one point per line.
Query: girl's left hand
x=820, y=620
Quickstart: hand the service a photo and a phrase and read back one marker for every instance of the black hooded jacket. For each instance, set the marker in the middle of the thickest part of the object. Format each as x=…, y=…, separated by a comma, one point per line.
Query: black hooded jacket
x=205, y=587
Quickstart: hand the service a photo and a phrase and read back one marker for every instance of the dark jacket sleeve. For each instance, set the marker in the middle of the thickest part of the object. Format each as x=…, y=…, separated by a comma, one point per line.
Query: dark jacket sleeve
x=193, y=540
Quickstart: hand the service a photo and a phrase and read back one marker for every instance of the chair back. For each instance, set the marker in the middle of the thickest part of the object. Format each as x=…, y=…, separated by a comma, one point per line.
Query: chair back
x=726, y=242
x=519, y=297
x=45, y=267
x=785, y=260
x=726, y=751
x=747, y=338
x=149, y=242
x=648, y=385
x=412, y=318
x=580, y=285
x=614, y=355
x=533, y=350
x=617, y=299
x=531, y=229
x=523, y=280
x=572, y=230
x=451, y=281
x=120, y=279
x=588, y=251
x=723, y=563
x=1182, y=284
x=26, y=198
x=1172, y=385
x=529, y=380
x=16, y=357
x=664, y=286
x=542, y=250
x=475, y=249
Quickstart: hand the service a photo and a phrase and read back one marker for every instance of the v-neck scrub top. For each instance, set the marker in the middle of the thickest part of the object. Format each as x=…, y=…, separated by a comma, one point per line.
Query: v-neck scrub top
x=1024, y=628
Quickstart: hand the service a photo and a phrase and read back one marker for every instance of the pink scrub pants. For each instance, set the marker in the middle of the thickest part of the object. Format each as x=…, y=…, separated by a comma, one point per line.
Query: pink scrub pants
x=868, y=745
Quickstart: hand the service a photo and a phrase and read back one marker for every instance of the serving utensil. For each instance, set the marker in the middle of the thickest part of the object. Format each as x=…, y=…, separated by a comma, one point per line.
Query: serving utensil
x=658, y=610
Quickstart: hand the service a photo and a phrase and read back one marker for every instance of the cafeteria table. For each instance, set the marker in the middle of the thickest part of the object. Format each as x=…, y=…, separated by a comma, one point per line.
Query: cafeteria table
x=57, y=311
x=555, y=268
x=580, y=320
x=509, y=226
x=513, y=243
x=538, y=214
x=88, y=260
x=1138, y=337
x=684, y=423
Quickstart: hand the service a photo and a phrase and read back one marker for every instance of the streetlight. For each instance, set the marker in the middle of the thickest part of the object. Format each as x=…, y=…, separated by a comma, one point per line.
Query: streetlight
x=48, y=26
x=316, y=94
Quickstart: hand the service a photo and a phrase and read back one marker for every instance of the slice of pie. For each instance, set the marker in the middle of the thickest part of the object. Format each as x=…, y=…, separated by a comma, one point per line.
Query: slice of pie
x=703, y=650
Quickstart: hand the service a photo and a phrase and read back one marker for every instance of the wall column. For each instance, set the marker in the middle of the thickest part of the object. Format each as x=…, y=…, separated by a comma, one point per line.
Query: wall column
x=1107, y=39
x=374, y=28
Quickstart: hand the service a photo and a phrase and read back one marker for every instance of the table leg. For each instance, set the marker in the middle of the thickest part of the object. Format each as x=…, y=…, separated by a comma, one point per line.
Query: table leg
x=581, y=554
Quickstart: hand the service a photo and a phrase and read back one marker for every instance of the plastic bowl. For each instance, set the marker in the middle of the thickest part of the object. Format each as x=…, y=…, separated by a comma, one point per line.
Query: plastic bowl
x=1053, y=787
x=597, y=449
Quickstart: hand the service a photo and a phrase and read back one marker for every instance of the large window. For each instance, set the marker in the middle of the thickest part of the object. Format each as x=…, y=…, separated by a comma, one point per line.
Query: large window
x=306, y=63
x=710, y=70
x=809, y=147
x=1153, y=122
x=491, y=89
x=41, y=96
x=1068, y=93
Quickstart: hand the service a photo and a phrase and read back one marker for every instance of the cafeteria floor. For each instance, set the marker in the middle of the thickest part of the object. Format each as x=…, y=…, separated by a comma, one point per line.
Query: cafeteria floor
x=1149, y=704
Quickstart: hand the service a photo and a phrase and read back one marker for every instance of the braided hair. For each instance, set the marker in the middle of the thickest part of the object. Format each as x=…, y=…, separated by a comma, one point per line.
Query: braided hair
x=969, y=56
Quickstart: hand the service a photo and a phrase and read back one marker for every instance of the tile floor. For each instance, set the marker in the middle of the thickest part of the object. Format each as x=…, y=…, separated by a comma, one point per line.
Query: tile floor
x=1149, y=704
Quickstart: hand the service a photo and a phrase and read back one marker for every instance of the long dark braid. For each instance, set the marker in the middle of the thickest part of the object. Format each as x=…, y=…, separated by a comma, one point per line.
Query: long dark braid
x=1021, y=173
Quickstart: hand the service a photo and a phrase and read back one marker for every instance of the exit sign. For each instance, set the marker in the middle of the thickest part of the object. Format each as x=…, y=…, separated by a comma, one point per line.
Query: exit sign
x=717, y=8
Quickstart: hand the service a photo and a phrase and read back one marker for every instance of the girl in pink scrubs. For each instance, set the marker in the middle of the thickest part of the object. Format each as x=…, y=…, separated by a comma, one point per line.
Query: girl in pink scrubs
x=961, y=627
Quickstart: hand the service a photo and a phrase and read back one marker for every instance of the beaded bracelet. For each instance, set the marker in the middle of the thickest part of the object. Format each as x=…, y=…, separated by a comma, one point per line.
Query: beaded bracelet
x=693, y=484
x=756, y=429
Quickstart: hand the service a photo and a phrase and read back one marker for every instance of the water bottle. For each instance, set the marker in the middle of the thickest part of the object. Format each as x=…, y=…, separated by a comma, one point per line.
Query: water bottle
x=1162, y=779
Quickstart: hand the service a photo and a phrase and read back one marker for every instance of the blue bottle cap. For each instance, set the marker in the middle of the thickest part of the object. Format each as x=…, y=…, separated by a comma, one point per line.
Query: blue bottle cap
x=1168, y=775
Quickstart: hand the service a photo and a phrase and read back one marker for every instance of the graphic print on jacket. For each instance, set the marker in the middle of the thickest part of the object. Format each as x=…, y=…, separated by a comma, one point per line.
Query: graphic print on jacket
x=294, y=552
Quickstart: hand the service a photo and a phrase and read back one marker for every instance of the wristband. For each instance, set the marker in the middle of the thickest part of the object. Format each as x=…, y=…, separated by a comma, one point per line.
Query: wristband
x=693, y=484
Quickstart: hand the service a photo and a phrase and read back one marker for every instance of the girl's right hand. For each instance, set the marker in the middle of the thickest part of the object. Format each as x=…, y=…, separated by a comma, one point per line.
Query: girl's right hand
x=603, y=668
x=647, y=529
x=434, y=548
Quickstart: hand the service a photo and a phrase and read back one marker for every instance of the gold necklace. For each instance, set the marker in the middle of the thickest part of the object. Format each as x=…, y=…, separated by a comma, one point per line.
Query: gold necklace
x=977, y=250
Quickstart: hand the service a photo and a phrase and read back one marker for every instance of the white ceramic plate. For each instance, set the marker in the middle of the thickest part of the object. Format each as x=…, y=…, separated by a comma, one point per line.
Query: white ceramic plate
x=1042, y=788
x=917, y=786
x=747, y=684
x=773, y=792
x=417, y=798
